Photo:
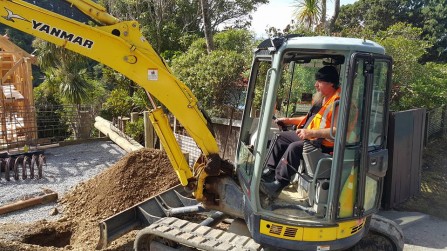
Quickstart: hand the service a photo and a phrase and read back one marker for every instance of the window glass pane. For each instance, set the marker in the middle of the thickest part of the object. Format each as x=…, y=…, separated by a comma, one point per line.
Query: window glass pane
x=348, y=184
x=245, y=157
x=371, y=190
x=377, y=119
x=245, y=162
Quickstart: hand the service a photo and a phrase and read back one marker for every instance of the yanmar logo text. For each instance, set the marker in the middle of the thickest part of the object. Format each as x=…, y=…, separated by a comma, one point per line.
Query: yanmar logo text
x=70, y=37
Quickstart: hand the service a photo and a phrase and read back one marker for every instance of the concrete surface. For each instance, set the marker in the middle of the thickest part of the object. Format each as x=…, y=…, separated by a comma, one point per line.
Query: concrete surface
x=421, y=231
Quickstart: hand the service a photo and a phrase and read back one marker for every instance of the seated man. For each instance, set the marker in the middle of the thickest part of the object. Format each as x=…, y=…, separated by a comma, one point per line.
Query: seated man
x=286, y=152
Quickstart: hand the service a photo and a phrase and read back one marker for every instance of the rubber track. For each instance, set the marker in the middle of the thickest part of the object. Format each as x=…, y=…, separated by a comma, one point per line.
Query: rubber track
x=388, y=228
x=384, y=234
x=200, y=237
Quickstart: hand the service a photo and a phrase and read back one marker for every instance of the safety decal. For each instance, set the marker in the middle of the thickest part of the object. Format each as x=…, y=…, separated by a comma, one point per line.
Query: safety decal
x=152, y=74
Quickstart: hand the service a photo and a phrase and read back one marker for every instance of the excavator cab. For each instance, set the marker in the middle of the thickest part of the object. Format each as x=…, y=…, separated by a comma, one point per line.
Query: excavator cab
x=330, y=203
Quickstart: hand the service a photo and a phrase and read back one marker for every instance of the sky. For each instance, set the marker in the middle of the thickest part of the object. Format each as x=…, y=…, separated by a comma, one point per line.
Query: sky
x=278, y=13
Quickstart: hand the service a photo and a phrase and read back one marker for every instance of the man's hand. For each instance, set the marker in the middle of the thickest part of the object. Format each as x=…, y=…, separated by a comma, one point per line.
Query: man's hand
x=281, y=122
x=314, y=133
x=305, y=133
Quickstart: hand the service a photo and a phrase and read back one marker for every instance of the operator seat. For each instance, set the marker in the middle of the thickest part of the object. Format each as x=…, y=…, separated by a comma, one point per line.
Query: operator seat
x=314, y=178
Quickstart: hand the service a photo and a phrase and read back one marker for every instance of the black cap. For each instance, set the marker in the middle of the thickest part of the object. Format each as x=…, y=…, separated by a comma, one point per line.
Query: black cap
x=328, y=74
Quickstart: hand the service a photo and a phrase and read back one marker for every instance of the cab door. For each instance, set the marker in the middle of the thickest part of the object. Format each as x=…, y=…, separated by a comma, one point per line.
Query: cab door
x=362, y=137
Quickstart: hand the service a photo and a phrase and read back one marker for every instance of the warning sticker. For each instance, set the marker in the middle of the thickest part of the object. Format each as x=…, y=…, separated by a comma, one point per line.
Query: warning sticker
x=152, y=74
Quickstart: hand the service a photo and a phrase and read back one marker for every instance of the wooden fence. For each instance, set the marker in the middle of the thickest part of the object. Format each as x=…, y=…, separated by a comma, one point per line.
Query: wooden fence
x=405, y=144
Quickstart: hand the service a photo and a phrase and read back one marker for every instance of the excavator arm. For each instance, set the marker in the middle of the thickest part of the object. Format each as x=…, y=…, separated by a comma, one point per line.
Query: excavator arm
x=121, y=46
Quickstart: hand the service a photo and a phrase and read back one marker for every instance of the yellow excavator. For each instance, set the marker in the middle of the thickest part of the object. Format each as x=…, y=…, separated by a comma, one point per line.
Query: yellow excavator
x=331, y=203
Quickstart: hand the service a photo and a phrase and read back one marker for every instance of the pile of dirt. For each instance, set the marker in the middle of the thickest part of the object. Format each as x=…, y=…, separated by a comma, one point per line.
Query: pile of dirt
x=136, y=177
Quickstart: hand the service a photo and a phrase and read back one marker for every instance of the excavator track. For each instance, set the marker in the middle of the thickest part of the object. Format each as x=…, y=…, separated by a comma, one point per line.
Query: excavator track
x=192, y=235
x=384, y=234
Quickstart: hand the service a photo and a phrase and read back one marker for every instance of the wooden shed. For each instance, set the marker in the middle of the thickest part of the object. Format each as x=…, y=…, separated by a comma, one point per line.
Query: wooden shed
x=18, y=125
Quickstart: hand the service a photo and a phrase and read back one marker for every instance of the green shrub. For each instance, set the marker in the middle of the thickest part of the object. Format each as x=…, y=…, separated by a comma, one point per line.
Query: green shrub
x=136, y=130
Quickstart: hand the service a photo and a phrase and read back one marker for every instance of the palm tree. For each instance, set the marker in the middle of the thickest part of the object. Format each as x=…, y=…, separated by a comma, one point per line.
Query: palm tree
x=66, y=72
x=67, y=67
x=308, y=12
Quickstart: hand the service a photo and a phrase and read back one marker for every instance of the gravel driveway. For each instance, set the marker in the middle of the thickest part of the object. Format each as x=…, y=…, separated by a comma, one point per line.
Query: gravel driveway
x=65, y=167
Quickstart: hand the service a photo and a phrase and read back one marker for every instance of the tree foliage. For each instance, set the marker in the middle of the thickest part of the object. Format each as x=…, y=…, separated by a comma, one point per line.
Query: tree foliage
x=403, y=43
x=414, y=84
x=123, y=97
x=66, y=71
x=308, y=13
x=377, y=15
x=217, y=78
x=414, y=34
x=429, y=90
x=165, y=23
x=311, y=16
x=119, y=103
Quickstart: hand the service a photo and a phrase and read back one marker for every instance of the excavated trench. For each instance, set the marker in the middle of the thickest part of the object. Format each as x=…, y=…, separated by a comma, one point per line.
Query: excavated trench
x=50, y=237
x=134, y=178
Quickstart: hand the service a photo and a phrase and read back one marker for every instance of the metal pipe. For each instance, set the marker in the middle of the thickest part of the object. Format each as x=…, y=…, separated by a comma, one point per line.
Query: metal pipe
x=213, y=219
x=184, y=210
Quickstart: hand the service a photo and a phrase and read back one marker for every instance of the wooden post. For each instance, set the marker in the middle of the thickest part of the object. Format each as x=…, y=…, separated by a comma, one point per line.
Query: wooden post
x=148, y=131
x=133, y=117
x=124, y=121
x=47, y=198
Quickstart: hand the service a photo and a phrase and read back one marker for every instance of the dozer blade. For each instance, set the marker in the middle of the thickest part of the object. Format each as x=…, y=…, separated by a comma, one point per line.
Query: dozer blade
x=169, y=203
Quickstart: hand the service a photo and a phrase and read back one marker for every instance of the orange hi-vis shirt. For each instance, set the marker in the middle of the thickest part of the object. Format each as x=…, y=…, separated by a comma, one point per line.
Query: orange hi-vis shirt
x=323, y=118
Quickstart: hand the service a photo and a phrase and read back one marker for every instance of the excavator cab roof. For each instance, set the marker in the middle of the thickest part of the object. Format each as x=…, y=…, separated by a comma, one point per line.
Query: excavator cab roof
x=318, y=43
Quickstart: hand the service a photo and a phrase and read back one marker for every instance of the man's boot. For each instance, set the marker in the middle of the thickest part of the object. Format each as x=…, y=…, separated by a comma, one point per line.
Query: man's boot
x=273, y=189
x=268, y=174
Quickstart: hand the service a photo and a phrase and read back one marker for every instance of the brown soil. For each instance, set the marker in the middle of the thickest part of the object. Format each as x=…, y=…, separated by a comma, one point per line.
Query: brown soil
x=134, y=178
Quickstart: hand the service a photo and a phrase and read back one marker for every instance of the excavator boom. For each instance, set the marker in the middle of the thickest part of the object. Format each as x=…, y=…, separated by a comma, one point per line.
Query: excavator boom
x=121, y=46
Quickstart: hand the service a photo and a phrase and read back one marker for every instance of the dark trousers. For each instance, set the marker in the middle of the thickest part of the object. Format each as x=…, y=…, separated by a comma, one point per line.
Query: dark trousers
x=285, y=155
